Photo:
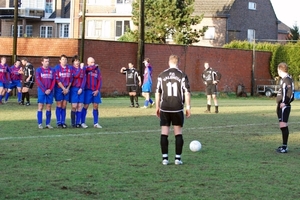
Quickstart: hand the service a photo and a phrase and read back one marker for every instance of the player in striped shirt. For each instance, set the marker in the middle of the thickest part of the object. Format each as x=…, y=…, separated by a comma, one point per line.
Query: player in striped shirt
x=92, y=92
x=172, y=91
x=4, y=78
x=62, y=90
x=77, y=91
x=16, y=80
x=45, y=77
x=147, y=84
x=28, y=80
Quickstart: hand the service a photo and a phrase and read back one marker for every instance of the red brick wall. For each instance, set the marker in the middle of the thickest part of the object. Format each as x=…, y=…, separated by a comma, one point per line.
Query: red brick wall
x=235, y=65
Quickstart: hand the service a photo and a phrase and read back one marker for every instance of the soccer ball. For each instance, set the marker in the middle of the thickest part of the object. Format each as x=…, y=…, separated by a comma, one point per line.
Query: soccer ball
x=195, y=146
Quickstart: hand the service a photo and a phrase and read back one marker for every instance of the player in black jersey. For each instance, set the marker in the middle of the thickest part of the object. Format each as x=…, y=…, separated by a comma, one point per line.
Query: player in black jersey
x=284, y=98
x=172, y=91
x=28, y=81
x=133, y=80
x=210, y=79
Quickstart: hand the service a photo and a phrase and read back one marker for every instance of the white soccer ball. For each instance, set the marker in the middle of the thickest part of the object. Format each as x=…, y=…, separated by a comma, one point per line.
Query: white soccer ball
x=195, y=146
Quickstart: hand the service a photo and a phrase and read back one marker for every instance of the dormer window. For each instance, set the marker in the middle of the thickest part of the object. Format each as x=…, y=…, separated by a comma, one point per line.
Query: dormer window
x=252, y=6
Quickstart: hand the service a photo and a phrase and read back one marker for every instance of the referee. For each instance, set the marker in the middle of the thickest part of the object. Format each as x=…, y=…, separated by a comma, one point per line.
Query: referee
x=133, y=80
x=172, y=91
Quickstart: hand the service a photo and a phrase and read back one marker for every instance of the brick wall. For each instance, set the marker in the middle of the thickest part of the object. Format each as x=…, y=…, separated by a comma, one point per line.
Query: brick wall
x=235, y=65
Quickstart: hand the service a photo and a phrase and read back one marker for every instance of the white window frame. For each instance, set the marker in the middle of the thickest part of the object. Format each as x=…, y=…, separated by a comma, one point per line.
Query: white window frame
x=252, y=6
x=99, y=2
x=19, y=31
x=122, y=27
x=63, y=31
x=251, y=35
x=98, y=29
x=49, y=7
x=47, y=31
x=123, y=2
x=210, y=33
x=29, y=30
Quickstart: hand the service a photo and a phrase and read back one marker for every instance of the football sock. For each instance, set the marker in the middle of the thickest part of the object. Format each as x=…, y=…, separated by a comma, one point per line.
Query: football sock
x=83, y=115
x=217, y=108
x=78, y=117
x=136, y=99
x=23, y=96
x=19, y=96
x=178, y=144
x=95, y=115
x=1, y=97
x=58, y=115
x=164, y=144
x=165, y=157
x=73, y=114
x=208, y=107
x=150, y=101
x=6, y=96
x=27, y=96
x=63, y=115
x=48, y=117
x=40, y=117
x=285, y=135
x=131, y=100
x=146, y=103
x=177, y=157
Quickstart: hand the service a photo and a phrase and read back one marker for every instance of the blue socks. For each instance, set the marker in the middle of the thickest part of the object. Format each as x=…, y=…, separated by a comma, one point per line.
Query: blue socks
x=83, y=115
x=95, y=115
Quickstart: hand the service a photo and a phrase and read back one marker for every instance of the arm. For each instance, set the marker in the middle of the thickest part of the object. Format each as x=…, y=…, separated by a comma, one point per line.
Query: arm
x=157, y=104
x=39, y=80
x=123, y=70
x=31, y=72
x=187, y=104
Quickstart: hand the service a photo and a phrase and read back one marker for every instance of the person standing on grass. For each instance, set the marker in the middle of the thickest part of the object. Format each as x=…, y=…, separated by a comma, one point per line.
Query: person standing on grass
x=45, y=77
x=172, y=91
x=210, y=79
x=77, y=91
x=92, y=92
x=133, y=80
x=16, y=80
x=28, y=81
x=284, y=98
x=147, y=84
x=4, y=78
x=62, y=90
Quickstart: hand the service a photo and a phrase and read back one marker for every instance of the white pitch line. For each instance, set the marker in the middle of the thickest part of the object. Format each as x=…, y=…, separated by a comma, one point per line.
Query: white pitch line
x=128, y=132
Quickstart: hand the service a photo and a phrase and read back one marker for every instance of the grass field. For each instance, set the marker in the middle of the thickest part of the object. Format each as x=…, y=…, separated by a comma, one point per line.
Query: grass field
x=123, y=160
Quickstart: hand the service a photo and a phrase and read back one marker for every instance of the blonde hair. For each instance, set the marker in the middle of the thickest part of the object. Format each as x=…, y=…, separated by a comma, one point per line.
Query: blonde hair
x=283, y=67
x=173, y=59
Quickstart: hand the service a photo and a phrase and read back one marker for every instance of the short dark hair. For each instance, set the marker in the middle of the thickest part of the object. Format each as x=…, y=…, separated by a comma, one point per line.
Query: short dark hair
x=63, y=56
x=25, y=59
x=76, y=57
x=44, y=57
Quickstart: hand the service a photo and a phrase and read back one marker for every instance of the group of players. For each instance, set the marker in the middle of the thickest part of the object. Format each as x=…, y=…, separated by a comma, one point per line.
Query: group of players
x=12, y=77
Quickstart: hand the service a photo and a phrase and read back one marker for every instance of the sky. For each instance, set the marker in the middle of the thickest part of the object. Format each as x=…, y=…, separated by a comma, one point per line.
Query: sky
x=287, y=11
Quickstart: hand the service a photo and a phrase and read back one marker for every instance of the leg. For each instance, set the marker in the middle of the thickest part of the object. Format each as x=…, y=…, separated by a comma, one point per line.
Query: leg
x=83, y=115
x=164, y=144
x=58, y=114
x=63, y=113
x=73, y=114
x=40, y=115
x=96, y=116
x=48, y=116
x=214, y=96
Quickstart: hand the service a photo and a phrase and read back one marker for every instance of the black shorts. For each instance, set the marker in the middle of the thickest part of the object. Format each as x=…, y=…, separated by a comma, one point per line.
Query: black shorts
x=132, y=88
x=211, y=89
x=283, y=113
x=166, y=118
x=28, y=84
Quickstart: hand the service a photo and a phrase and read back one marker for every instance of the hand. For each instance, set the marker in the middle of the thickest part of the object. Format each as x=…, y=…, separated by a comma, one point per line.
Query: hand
x=47, y=91
x=65, y=91
x=27, y=80
x=158, y=112
x=282, y=105
x=215, y=82
x=188, y=113
x=140, y=83
x=79, y=91
x=95, y=93
x=81, y=65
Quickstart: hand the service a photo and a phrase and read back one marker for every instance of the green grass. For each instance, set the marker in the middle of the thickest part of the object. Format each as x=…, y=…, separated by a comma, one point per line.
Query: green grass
x=123, y=160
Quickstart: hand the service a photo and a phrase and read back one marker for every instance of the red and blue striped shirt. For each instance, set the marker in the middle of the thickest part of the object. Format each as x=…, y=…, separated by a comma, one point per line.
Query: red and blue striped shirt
x=45, y=78
x=93, y=78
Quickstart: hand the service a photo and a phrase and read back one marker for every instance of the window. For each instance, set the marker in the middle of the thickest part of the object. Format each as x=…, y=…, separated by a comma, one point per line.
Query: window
x=64, y=30
x=252, y=6
x=121, y=27
x=99, y=2
x=28, y=31
x=124, y=1
x=49, y=6
x=98, y=29
x=46, y=31
x=251, y=35
x=210, y=33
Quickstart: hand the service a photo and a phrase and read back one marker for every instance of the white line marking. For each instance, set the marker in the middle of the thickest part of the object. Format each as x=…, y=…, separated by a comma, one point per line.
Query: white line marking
x=128, y=132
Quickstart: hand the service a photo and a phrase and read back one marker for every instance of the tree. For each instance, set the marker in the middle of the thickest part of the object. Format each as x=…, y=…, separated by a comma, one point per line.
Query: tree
x=166, y=19
x=294, y=35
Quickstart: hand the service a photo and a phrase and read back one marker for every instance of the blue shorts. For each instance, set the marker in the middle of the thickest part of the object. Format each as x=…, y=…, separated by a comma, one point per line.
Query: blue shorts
x=2, y=84
x=43, y=98
x=74, y=97
x=147, y=87
x=90, y=98
x=15, y=84
x=59, y=95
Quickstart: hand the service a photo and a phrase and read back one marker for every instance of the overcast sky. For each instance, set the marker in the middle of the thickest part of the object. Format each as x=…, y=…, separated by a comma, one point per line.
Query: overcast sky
x=287, y=11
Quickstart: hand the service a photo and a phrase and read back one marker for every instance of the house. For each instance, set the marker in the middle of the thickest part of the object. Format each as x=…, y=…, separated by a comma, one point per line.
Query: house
x=283, y=32
x=229, y=20
x=36, y=18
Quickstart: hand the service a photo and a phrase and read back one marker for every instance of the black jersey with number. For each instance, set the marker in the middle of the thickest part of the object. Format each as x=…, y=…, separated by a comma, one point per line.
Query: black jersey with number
x=131, y=76
x=286, y=92
x=172, y=85
x=29, y=70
